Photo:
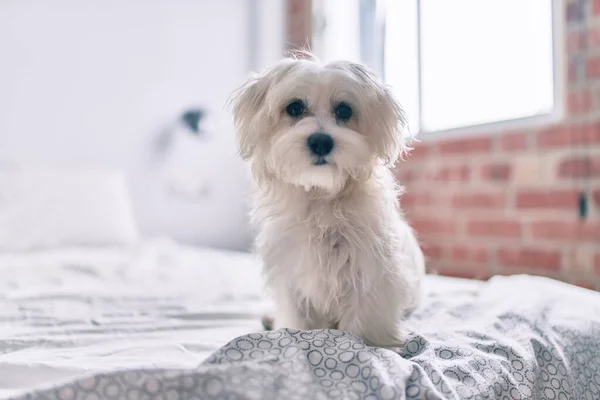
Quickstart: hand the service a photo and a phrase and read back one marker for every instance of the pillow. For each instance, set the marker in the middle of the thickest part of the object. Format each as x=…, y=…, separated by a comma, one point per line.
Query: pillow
x=43, y=208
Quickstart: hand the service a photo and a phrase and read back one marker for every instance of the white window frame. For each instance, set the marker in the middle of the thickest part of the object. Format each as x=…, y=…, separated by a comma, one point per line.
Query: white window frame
x=373, y=31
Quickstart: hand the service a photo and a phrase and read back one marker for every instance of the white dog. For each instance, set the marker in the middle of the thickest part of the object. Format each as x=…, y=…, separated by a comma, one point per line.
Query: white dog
x=321, y=141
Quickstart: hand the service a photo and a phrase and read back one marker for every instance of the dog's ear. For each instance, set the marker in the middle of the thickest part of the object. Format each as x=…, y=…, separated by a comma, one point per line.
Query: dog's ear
x=251, y=112
x=393, y=143
x=247, y=102
x=385, y=119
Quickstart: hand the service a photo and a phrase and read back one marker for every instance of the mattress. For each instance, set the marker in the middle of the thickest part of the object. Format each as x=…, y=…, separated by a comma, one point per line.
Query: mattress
x=166, y=321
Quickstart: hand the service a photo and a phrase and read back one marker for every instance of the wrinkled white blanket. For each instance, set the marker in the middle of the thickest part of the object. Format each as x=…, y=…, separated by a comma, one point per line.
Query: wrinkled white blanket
x=68, y=313
x=166, y=321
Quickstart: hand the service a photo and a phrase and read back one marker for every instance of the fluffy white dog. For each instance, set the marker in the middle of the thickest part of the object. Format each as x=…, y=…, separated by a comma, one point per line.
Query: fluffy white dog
x=321, y=141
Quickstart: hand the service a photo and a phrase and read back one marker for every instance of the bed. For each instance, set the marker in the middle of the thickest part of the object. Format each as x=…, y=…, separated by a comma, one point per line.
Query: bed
x=72, y=313
x=163, y=320
x=89, y=310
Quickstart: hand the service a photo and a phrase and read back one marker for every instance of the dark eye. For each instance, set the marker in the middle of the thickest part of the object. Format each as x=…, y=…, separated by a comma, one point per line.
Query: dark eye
x=343, y=111
x=295, y=109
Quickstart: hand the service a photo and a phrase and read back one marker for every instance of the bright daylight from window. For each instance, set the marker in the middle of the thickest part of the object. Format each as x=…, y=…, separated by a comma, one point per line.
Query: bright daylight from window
x=481, y=61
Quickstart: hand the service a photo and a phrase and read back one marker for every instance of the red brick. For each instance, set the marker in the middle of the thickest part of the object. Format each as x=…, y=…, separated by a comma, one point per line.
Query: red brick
x=432, y=251
x=459, y=173
x=469, y=254
x=589, y=283
x=421, y=151
x=425, y=226
x=412, y=198
x=479, y=200
x=570, y=231
x=594, y=37
x=592, y=67
x=571, y=72
x=463, y=146
x=579, y=167
x=462, y=173
x=442, y=174
x=596, y=197
x=580, y=102
x=569, y=135
x=464, y=272
x=298, y=31
x=496, y=172
x=513, y=141
x=494, y=228
x=576, y=41
x=596, y=7
x=529, y=258
x=406, y=175
x=548, y=198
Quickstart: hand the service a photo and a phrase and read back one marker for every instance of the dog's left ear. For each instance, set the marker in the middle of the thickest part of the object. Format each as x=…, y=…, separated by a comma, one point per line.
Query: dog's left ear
x=385, y=119
x=246, y=103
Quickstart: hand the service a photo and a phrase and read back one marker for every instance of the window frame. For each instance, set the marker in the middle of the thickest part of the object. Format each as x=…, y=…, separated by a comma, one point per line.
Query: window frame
x=372, y=36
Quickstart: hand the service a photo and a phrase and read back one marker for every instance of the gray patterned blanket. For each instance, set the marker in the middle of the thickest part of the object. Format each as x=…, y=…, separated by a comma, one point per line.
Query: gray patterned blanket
x=514, y=337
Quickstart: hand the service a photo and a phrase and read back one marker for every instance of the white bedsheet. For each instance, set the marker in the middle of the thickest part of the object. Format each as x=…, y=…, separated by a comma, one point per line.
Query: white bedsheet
x=64, y=314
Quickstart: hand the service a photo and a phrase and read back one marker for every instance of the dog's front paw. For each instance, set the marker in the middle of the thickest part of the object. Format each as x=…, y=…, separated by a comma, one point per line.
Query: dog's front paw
x=383, y=334
x=393, y=341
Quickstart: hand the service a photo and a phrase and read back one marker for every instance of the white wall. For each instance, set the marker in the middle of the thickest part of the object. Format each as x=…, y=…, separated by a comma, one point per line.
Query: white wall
x=87, y=82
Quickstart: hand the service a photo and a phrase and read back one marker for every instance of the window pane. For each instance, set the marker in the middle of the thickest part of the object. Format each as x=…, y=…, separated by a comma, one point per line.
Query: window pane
x=401, y=57
x=485, y=61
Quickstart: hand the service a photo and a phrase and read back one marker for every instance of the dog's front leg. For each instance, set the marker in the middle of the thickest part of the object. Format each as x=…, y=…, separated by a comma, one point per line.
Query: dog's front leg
x=377, y=325
x=294, y=311
x=290, y=311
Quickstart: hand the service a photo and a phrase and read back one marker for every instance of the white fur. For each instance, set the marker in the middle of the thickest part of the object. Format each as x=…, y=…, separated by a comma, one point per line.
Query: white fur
x=337, y=251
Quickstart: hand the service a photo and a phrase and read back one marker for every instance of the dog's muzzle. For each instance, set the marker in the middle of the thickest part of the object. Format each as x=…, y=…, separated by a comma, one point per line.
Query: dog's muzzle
x=320, y=145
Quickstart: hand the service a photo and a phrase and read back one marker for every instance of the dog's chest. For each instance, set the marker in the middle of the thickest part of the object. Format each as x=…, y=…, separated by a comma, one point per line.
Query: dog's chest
x=321, y=264
x=321, y=258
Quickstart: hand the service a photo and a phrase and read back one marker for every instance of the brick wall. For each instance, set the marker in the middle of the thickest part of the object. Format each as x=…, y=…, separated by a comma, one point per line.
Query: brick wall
x=503, y=203
x=299, y=24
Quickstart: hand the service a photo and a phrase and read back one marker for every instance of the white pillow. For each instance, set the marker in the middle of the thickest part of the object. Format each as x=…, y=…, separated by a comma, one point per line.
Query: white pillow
x=43, y=208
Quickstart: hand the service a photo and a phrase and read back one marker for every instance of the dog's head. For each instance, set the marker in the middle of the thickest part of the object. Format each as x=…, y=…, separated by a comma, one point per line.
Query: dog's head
x=317, y=126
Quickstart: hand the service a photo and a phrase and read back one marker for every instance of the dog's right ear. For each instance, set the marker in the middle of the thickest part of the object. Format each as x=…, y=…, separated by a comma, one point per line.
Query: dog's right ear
x=247, y=102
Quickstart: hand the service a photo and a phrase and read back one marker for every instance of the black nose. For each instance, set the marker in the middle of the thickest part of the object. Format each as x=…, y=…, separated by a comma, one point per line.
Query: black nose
x=320, y=144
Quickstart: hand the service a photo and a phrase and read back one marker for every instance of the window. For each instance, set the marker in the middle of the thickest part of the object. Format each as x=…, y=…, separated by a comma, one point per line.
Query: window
x=453, y=64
